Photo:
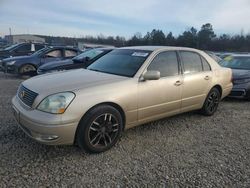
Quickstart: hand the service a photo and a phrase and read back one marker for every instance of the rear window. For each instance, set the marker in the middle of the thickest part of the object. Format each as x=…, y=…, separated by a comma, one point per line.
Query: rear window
x=39, y=47
x=91, y=54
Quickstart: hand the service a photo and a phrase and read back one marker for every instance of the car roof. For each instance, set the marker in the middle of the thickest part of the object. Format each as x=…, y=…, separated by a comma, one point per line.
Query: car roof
x=62, y=47
x=239, y=55
x=154, y=48
x=104, y=48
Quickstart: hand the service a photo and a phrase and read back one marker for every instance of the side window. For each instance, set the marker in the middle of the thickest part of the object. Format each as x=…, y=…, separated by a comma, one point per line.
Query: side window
x=54, y=53
x=38, y=47
x=70, y=53
x=206, y=66
x=24, y=48
x=166, y=63
x=191, y=62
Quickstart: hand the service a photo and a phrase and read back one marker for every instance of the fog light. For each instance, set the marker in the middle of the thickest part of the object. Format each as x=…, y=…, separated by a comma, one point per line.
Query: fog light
x=48, y=137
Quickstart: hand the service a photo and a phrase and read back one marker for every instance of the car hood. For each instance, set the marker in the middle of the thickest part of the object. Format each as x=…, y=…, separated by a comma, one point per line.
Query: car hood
x=69, y=81
x=240, y=73
x=17, y=58
x=4, y=54
x=55, y=64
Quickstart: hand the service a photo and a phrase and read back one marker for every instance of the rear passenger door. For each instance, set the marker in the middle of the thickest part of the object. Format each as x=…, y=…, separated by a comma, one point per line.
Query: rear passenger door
x=197, y=78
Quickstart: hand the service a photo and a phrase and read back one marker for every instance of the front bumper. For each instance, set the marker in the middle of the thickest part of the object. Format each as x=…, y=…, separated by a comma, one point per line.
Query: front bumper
x=43, y=127
x=9, y=69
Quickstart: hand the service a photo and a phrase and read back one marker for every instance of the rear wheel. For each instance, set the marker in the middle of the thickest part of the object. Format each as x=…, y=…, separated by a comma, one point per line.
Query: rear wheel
x=211, y=103
x=100, y=129
x=27, y=69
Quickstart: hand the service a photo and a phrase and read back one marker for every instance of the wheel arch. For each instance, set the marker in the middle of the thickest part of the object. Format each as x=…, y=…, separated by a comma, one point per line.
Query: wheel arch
x=217, y=86
x=113, y=104
x=24, y=64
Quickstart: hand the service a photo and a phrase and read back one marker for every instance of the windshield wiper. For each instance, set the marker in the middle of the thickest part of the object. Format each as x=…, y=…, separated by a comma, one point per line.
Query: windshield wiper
x=95, y=70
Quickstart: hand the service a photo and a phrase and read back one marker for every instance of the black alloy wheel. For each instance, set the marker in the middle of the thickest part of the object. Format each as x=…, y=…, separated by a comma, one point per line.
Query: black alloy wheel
x=99, y=129
x=211, y=103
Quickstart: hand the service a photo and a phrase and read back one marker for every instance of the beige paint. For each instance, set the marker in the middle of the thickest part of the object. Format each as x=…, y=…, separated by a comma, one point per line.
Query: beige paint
x=141, y=101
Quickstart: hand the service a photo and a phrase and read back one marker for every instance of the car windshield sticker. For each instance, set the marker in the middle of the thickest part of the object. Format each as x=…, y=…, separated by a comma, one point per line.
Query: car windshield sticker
x=140, y=54
x=228, y=58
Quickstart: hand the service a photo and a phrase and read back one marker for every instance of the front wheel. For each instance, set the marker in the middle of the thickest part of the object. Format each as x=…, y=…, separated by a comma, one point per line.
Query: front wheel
x=27, y=69
x=100, y=129
x=211, y=103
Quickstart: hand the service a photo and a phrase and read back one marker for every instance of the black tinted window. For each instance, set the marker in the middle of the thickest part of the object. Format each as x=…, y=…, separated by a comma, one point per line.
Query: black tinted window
x=166, y=63
x=206, y=66
x=191, y=62
x=24, y=48
x=39, y=47
x=124, y=62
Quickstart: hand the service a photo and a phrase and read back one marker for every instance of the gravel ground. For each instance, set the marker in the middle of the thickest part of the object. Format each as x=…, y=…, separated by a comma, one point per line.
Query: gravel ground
x=187, y=150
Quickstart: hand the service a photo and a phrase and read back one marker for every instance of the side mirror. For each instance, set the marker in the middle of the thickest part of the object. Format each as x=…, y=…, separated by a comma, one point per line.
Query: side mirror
x=151, y=75
x=86, y=59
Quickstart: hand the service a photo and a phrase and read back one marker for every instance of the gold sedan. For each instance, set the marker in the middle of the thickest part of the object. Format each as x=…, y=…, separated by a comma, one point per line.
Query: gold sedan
x=125, y=88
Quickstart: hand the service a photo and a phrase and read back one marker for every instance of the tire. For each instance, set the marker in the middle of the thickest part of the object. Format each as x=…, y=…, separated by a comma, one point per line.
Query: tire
x=100, y=129
x=27, y=69
x=211, y=103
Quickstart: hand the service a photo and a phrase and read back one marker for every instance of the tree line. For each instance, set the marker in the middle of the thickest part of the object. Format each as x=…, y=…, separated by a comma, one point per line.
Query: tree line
x=204, y=39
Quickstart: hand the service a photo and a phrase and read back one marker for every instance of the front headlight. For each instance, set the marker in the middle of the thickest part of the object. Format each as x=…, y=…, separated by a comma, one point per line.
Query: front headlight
x=11, y=63
x=57, y=103
x=241, y=81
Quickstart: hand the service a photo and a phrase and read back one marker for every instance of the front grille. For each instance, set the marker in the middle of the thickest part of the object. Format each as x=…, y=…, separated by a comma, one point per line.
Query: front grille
x=27, y=96
x=3, y=64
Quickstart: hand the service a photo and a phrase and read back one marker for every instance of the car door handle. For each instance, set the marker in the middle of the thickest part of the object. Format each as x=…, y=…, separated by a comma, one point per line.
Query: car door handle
x=178, y=83
x=206, y=78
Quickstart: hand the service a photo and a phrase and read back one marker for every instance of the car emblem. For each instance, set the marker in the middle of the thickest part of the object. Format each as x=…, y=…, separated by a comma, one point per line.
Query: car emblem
x=23, y=94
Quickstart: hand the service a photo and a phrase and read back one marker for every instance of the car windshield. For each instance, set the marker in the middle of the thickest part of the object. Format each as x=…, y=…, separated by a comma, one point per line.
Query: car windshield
x=91, y=54
x=236, y=62
x=11, y=47
x=122, y=62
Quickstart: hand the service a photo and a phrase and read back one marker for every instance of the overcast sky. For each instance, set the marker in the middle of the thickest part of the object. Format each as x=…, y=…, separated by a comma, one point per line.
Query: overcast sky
x=121, y=17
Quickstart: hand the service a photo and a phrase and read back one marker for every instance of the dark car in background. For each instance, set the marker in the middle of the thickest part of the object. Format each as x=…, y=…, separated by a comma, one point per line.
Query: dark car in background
x=81, y=61
x=20, y=49
x=240, y=64
x=214, y=56
x=28, y=65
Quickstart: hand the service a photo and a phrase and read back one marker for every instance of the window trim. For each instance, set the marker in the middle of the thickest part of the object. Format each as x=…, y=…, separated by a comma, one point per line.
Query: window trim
x=182, y=63
x=206, y=63
x=178, y=61
x=64, y=54
x=54, y=49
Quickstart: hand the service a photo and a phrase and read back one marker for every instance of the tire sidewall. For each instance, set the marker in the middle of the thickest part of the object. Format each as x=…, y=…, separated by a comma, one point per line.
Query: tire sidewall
x=22, y=67
x=84, y=125
x=204, y=109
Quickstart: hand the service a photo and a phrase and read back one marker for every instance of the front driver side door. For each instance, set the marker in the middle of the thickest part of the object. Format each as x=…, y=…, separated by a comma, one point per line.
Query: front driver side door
x=160, y=98
x=52, y=55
